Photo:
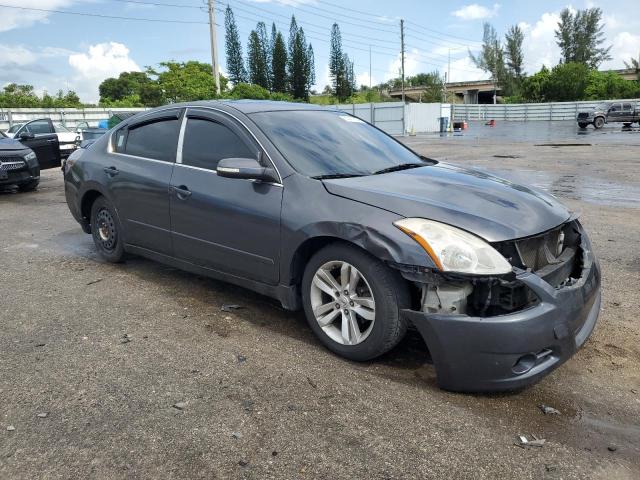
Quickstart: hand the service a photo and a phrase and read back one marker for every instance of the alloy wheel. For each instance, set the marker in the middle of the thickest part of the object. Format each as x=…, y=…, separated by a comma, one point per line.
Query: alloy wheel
x=343, y=303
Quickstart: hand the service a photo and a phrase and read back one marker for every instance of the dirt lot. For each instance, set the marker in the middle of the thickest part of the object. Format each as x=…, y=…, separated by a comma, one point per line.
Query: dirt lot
x=107, y=350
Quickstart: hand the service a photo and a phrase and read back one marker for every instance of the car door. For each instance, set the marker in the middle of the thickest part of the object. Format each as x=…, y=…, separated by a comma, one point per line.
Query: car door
x=137, y=172
x=39, y=136
x=627, y=112
x=229, y=225
x=615, y=112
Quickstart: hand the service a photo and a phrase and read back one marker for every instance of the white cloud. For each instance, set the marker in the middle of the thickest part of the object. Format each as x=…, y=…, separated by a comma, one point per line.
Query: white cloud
x=540, y=47
x=476, y=12
x=625, y=46
x=539, y=44
x=463, y=70
x=362, y=78
x=16, y=56
x=102, y=61
x=13, y=18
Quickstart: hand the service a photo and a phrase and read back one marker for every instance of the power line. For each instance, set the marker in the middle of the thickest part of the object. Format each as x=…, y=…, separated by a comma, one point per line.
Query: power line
x=112, y=17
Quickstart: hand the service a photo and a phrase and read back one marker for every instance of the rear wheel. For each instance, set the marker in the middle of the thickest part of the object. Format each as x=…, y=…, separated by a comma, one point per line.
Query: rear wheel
x=627, y=124
x=106, y=231
x=352, y=302
x=598, y=122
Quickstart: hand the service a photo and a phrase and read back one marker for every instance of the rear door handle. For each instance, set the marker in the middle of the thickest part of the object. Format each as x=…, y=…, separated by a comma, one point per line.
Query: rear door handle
x=182, y=192
x=111, y=171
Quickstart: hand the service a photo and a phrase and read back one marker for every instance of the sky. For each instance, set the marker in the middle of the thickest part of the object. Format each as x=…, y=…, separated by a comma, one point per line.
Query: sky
x=62, y=50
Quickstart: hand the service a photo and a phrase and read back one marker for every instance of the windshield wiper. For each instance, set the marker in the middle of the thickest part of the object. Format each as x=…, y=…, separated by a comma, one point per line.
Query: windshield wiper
x=397, y=168
x=336, y=175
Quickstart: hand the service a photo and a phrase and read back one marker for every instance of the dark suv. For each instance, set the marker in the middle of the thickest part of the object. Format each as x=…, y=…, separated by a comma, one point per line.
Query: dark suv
x=18, y=165
x=325, y=212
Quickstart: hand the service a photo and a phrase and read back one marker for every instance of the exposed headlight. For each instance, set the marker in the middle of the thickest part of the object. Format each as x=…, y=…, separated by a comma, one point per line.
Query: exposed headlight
x=454, y=250
x=30, y=156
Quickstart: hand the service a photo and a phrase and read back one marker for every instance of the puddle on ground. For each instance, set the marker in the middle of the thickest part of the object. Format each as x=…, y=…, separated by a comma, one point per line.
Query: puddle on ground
x=588, y=189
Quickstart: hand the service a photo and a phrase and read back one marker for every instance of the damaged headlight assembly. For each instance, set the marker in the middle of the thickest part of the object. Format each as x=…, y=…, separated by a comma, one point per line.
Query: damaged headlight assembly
x=454, y=250
x=457, y=252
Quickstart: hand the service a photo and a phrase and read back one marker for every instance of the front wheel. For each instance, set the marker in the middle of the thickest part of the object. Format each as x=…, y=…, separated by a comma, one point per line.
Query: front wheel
x=598, y=122
x=352, y=302
x=106, y=231
x=583, y=125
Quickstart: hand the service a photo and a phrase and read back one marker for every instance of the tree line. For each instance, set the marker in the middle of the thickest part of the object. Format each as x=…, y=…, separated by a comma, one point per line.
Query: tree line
x=25, y=96
x=284, y=69
x=580, y=36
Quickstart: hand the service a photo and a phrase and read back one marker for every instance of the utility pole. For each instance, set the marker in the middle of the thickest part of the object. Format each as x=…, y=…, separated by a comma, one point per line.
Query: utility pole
x=369, y=67
x=402, y=54
x=214, y=45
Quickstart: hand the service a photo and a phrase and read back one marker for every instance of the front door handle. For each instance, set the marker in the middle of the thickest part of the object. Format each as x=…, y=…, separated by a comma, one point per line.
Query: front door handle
x=53, y=140
x=111, y=171
x=182, y=192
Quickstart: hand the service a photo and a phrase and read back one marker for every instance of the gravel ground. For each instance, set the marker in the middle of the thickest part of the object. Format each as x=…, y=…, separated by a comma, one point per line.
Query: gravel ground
x=142, y=375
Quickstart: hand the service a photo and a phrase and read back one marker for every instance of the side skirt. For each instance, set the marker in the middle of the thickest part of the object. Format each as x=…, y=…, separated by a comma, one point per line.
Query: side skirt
x=288, y=295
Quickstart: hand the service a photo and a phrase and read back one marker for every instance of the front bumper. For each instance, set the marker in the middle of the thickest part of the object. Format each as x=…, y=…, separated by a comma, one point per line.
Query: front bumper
x=508, y=352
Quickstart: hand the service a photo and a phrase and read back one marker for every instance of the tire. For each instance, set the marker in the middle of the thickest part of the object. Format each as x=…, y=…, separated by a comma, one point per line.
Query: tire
x=107, y=231
x=598, y=122
x=627, y=125
x=29, y=186
x=582, y=125
x=389, y=291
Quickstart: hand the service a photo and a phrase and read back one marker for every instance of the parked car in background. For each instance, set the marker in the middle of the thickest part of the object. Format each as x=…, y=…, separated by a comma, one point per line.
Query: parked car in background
x=18, y=165
x=325, y=212
x=67, y=138
x=41, y=137
x=626, y=113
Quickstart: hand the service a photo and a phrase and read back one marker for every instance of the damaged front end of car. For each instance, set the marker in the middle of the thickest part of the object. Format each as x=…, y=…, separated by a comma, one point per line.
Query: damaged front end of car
x=504, y=331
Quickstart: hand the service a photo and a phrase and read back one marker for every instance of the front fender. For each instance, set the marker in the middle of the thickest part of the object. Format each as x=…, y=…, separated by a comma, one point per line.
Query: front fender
x=326, y=216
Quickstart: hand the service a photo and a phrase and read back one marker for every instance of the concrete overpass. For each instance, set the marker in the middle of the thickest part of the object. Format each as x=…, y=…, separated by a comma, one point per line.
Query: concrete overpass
x=478, y=91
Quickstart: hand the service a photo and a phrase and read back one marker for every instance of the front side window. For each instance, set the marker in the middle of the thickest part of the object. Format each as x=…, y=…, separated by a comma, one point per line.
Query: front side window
x=207, y=142
x=155, y=140
x=615, y=107
x=320, y=143
x=39, y=127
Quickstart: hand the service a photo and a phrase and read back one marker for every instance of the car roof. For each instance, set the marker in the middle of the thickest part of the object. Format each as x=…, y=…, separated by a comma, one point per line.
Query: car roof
x=255, y=106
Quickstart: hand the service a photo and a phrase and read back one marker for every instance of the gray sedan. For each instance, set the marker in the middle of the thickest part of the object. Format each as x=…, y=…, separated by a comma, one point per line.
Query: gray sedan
x=325, y=212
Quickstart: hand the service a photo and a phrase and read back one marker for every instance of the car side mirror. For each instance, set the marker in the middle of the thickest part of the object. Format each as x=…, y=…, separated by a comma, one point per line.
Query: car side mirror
x=245, y=168
x=26, y=136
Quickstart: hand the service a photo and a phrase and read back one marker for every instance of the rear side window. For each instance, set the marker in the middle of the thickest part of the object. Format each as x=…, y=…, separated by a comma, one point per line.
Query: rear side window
x=207, y=142
x=627, y=107
x=156, y=140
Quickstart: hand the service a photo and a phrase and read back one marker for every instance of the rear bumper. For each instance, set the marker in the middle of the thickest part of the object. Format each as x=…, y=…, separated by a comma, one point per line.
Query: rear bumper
x=508, y=352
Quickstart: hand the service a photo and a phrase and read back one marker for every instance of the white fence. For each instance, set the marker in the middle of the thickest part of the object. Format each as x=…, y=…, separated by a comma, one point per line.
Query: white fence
x=524, y=112
x=70, y=117
x=396, y=119
x=392, y=117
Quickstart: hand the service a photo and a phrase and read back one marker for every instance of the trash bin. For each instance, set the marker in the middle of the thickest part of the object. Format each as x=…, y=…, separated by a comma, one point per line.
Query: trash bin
x=444, y=124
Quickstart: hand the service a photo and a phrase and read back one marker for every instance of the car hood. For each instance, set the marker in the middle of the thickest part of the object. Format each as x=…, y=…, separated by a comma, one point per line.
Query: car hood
x=8, y=144
x=490, y=207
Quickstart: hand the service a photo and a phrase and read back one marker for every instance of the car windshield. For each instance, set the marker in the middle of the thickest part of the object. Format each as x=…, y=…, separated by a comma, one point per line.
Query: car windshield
x=59, y=128
x=3, y=135
x=14, y=128
x=326, y=143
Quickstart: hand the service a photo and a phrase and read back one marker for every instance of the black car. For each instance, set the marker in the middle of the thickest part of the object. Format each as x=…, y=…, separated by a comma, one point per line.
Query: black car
x=327, y=213
x=18, y=165
x=40, y=136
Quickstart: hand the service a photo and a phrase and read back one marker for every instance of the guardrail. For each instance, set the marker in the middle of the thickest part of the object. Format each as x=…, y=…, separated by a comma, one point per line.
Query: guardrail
x=524, y=112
